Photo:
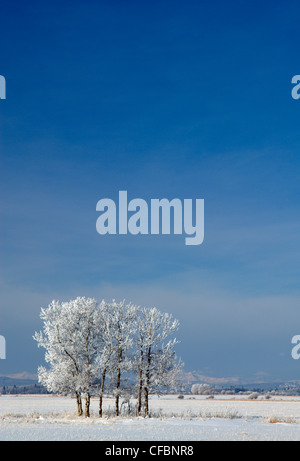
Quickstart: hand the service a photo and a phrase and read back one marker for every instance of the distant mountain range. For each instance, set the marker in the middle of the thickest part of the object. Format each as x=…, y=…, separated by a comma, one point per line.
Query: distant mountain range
x=263, y=381
x=189, y=378
x=18, y=379
x=195, y=376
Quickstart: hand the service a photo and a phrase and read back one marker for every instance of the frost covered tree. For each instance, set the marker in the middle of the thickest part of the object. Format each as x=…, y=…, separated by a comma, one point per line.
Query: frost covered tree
x=105, y=359
x=89, y=344
x=157, y=362
x=202, y=389
x=120, y=328
x=71, y=337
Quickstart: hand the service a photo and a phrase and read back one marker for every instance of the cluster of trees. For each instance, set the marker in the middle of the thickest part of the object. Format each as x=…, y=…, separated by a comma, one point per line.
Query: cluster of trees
x=93, y=347
x=201, y=389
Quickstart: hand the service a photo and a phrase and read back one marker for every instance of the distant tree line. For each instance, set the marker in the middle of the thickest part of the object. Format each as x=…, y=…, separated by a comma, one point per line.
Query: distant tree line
x=251, y=390
x=25, y=389
x=120, y=348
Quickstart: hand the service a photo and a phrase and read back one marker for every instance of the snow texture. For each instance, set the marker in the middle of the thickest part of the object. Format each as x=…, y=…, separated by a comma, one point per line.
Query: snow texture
x=50, y=417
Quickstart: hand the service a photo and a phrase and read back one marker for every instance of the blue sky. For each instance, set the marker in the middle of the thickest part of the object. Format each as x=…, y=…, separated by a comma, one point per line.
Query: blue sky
x=162, y=99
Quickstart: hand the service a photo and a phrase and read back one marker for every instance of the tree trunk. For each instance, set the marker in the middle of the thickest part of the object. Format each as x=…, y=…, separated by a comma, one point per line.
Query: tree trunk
x=87, y=405
x=79, y=404
x=117, y=405
x=146, y=404
x=140, y=384
x=101, y=393
x=88, y=397
x=147, y=384
x=118, y=384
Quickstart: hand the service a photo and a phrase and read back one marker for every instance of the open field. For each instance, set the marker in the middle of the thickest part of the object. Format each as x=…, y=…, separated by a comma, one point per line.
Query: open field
x=46, y=417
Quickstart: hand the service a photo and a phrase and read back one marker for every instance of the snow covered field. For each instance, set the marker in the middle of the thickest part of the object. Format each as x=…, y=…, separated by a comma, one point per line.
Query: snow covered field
x=46, y=417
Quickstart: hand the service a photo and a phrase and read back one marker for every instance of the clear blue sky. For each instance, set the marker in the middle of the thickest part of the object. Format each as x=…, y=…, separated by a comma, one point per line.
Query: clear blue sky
x=163, y=99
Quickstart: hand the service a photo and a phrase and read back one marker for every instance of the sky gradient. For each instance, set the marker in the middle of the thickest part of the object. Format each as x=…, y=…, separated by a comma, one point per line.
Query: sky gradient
x=162, y=99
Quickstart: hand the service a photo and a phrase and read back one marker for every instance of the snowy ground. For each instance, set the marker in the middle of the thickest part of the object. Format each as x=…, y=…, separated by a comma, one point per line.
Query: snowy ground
x=222, y=418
